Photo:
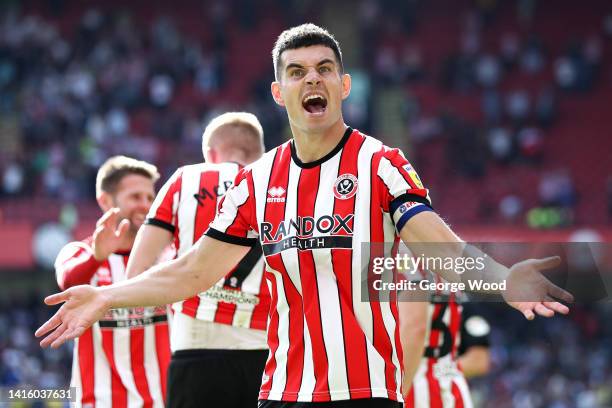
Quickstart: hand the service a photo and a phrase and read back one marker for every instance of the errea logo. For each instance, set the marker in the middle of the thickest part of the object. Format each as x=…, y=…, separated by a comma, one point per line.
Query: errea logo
x=276, y=195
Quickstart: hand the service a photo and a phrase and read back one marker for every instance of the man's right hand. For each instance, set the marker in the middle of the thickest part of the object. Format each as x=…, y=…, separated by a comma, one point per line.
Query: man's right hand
x=109, y=236
x=83, y=306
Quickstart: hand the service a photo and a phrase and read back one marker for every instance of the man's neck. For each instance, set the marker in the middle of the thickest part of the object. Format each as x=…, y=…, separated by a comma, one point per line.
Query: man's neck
x=311, y=147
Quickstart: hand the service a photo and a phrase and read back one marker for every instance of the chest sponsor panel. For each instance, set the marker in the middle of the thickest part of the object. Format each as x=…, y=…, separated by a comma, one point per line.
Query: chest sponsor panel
x=305, y=233
x=134, y=317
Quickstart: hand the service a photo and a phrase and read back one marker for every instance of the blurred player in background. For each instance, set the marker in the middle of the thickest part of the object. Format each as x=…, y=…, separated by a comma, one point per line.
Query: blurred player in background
x=121, y=360
x=218, y=336
x=450, y=338
x=474, y=347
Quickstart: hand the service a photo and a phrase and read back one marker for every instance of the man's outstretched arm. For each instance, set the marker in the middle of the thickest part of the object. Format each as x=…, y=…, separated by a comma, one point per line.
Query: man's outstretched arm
x=196, y=271
x=528, y=290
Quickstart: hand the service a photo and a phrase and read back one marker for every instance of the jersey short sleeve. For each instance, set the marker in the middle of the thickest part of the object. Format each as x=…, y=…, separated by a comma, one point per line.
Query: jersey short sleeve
x=235, y=219
x=163, y=210
x=475, y=329
x=404, y=195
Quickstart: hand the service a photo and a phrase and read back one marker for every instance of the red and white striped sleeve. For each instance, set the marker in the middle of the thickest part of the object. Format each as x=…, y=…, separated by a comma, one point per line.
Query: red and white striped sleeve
x=164, y=208
x=75, y=264
x=404, y=193
x=235, y=220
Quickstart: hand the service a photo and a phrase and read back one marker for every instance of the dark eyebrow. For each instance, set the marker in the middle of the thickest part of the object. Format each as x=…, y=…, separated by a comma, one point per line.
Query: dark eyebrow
x=293, y=65
x=326, y=61
x=322, y=62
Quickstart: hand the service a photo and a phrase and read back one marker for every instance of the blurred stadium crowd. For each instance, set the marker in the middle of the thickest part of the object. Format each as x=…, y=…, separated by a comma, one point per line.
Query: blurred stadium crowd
x=485, y=91
x=502, y=104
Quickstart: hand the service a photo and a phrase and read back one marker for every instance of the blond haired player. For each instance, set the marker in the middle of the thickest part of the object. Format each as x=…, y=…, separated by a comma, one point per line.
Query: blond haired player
x=218, y=336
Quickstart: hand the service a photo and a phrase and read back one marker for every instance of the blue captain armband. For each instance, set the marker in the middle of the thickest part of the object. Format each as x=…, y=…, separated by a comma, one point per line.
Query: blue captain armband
x=404, y=211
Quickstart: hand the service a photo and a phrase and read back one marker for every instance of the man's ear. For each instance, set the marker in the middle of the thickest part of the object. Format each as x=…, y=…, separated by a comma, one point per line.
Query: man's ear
x=105, y=201
x=276, y=93
x=346, y=86
x=212, y=156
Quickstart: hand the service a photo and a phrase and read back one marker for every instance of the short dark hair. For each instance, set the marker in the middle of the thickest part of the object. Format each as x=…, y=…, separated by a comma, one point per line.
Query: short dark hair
x=116, y=168
x=304, y=35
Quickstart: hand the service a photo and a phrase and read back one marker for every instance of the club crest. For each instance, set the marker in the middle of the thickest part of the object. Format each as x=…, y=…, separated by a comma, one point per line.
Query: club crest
x=345, y=186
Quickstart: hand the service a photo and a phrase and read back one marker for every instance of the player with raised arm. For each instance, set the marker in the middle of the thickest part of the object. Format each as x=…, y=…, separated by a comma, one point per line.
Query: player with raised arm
x=121, y=360
x=312, y=202
x=218, y=337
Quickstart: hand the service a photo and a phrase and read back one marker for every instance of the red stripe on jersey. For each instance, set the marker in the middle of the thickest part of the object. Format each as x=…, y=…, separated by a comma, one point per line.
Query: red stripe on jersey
x=382, y=342
x=205, y=212
x=203, y=217
x=395, y=311
x=237, y=228
x=435, y=397
x=278, y=178
x=137, y=362
x=251, y=185
x=260, y=312
x=86, y=366
x=118, y=390
x=409, y=400
x=457, y=394
x=272, y=339
x=162, y=347
x=225, y=313
x=165, y=210
x=355, y=345
x=295, y=354
x=398, y=161
x=307, y=195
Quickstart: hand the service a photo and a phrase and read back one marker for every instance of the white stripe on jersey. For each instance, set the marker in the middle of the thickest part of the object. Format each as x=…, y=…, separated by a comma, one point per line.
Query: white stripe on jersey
x=279, y=379
x=290, y=261
x=465, y=391
x=308, y=377
x=121, y=341
x=102, y=370
x=151, y=366
x=117, y=267
x=75, y=378
x=121, y=352
x=420, y=386
x=363, y=310
x=207, y=308
x=252, y=284
x=187, y=209
x=328, y=289
x=261, y=179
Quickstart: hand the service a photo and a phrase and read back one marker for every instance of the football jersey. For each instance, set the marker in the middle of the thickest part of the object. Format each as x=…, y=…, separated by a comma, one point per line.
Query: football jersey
x=311, y=219
x=121, y=360
x=185, y=206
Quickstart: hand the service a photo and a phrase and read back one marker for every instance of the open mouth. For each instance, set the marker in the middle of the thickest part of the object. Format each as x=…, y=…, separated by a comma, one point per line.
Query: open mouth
x=315, y=103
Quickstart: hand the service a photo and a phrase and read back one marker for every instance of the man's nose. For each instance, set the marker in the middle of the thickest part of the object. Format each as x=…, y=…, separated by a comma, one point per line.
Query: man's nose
x=145, y=203
x=313, y=77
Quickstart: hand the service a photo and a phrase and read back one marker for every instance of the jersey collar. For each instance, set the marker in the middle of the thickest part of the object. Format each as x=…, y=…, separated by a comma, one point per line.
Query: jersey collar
x=323, y=159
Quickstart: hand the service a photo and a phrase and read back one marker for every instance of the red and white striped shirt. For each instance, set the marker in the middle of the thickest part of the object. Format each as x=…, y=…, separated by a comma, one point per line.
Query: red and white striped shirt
x=122, y=360
x=185, y=206
x=439, y=381
x=311, y=218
